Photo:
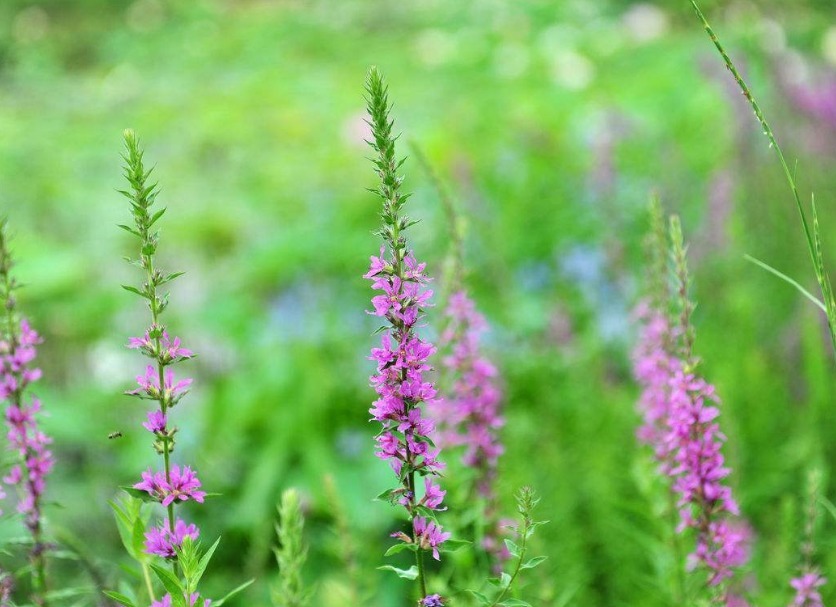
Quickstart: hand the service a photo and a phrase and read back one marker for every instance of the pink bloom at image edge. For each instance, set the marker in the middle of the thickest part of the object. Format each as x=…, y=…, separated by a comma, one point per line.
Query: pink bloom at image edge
x=23, y=433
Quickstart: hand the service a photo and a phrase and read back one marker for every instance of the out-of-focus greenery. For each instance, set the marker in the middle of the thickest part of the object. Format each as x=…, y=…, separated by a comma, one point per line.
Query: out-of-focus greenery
x=552, y=122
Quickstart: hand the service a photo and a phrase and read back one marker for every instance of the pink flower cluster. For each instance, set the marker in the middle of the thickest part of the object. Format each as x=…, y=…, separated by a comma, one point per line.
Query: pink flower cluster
x=470, y=416
x=179, y=486
x=652, y=368
x=149, y=386
x=806, y=590
x=162, y=540
x=680, y=423
x=16, y=373
x=698, y=472
x=401, y=387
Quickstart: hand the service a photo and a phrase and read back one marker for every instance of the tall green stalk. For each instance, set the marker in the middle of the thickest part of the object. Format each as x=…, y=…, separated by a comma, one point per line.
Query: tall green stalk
x=812, y=232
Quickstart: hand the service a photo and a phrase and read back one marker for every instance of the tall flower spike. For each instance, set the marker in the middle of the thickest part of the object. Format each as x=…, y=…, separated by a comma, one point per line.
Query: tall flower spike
x=653, y=358
x=18, y=350
x=694, y=441
x=402, y=359
x=173, y=485
x=469, y=416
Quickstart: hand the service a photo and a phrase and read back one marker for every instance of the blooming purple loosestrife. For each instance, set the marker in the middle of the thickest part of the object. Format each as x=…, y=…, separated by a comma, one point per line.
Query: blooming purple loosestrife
x=402, y=358
x=697, y=468
x=470, y=415
x=18, y=343
x=171, y=485
x=653, y=361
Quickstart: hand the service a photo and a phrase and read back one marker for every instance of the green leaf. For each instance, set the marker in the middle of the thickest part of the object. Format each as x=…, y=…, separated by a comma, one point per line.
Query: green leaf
x=407, y=574
x=385, y=496
x=531, y=564
x=156, y=216
x=137, y=549
x=397, y=548
x=119, y=598
x=788, y=280
x=202, y=564
x=130, y=229
x=172, y=585
x=454, y=545
x=232, y=593
x=505, y=580
x=139, y=494
x=480, y=597
x=828, y=506
x=514, y=603
x=134, y=290
x=512, y=548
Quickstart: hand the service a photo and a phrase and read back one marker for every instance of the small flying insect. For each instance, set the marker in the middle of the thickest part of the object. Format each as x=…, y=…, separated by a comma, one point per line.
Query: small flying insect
x=117, y=434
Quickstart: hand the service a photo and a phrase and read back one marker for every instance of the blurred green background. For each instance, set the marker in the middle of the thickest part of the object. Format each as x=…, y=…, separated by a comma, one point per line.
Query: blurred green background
x=551, y=122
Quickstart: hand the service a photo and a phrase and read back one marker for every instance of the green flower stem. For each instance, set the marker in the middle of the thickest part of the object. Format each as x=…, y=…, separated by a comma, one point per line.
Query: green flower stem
x=144, y=195
x=520, y=560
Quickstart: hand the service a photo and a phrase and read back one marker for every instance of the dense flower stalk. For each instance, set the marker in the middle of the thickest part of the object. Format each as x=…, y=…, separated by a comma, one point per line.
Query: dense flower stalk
x=679, y=411
x=469, y=416
x=172, y=485
x=694, y=440
x=653, y=360
x=402, y=358
x=653, y=368
x=469, y=413
x=18, y=350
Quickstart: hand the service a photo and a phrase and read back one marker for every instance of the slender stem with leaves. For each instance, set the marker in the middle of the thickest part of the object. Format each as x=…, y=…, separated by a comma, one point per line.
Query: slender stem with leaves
x=812, y=231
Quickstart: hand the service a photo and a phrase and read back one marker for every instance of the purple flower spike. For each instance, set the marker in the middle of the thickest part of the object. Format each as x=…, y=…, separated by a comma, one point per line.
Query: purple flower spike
x=680, y=413
x=470, y=417
x=432, y=600
x=401, y=380
x=23, y=434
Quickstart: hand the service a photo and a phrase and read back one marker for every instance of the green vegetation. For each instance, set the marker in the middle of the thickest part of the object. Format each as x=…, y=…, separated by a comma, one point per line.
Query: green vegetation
x=550, y=123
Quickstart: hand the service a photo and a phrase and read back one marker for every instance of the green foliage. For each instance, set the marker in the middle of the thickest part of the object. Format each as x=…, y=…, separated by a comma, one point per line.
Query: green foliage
x=520, y=561
x=291, y=553
x=255, y=134
x=812, y=235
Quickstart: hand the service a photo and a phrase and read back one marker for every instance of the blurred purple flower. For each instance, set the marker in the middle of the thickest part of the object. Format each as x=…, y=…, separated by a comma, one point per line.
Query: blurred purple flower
x=30, y=443
x=806, y=589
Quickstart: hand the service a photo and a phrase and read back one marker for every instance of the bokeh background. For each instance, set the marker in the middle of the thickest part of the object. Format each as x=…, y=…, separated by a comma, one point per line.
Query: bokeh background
x=551, y=122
